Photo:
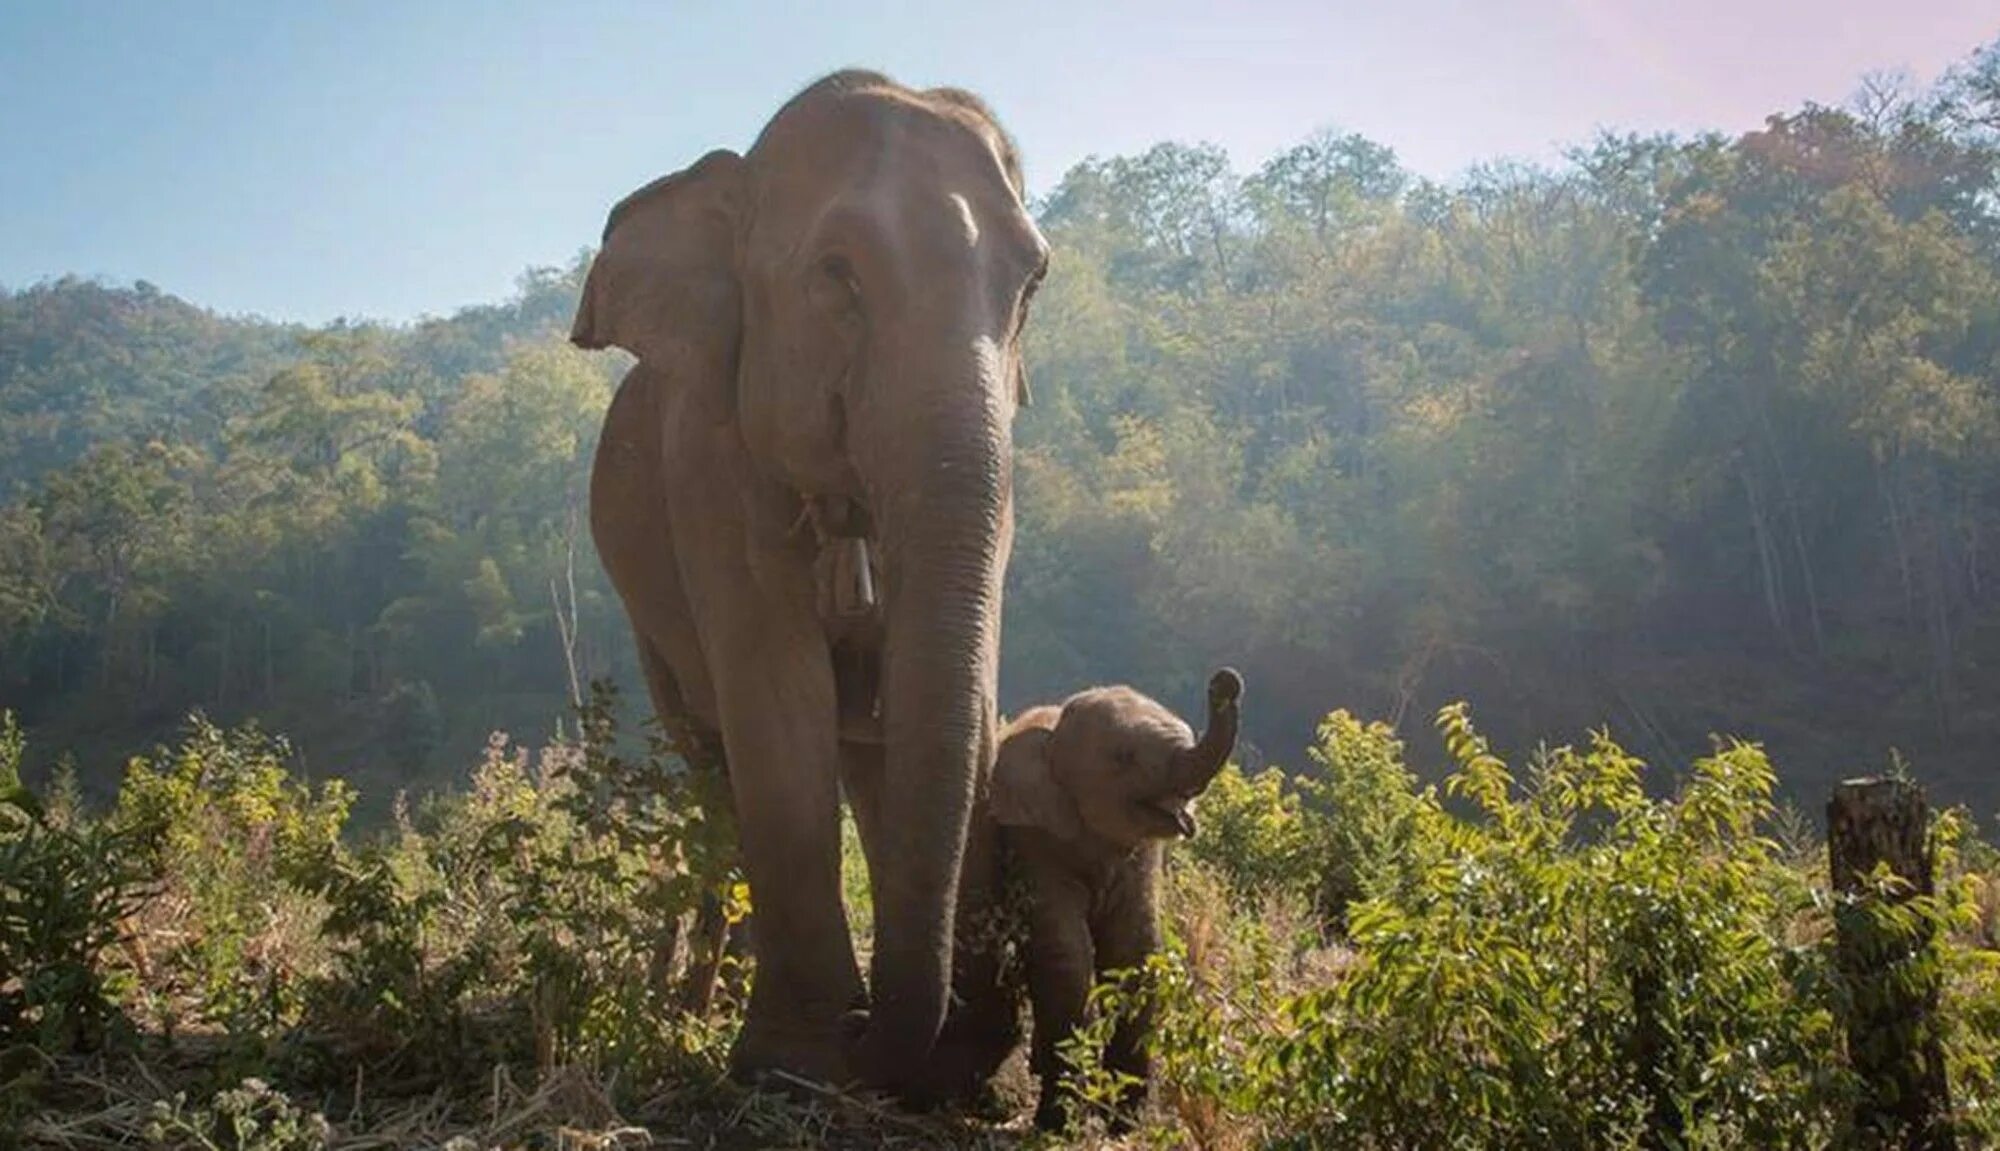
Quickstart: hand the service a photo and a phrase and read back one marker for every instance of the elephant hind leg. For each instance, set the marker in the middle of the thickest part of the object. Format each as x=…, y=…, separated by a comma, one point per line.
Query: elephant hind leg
x=701, y=747
x=692, y=739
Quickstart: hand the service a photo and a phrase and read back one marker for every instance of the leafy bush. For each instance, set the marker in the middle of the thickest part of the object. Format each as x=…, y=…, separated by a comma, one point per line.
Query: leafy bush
x=228, y=942
x=1563, y=960
x=66, y=888
x=1942, y=949
x=1340, y=834
x=1550, y=982
x=535, y=917
x=1363, y=808
x=1253, y=834
x=533, y=920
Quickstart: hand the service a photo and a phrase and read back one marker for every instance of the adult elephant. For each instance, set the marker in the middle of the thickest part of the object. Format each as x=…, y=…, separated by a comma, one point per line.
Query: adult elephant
x=803, y=497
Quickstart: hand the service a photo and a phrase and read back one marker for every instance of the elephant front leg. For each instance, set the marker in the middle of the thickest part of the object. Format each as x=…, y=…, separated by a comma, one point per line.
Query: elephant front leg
x=981, y=1028
x=1127, y=933
x=1060, y=970
x=778, y=728
x=1127, y=1055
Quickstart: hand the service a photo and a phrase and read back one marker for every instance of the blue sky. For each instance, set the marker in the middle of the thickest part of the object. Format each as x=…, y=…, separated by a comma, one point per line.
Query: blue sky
x=390, y=158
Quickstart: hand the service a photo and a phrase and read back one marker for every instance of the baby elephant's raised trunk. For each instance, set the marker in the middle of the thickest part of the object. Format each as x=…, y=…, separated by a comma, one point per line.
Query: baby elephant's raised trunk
x=1198, y=764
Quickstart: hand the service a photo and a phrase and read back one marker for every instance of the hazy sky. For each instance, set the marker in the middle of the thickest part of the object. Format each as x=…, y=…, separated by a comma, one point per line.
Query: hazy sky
x=387, y=158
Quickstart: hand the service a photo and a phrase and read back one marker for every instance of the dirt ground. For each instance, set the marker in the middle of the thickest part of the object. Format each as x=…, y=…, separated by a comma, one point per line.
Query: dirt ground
x=130, y=1102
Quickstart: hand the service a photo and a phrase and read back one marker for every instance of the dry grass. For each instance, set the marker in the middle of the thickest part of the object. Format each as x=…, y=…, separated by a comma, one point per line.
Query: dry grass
x=157, y=1093
x=136, y=1103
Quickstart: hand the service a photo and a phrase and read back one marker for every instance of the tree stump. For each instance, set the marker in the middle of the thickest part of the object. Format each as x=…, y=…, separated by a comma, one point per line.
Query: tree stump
x=1891, y=971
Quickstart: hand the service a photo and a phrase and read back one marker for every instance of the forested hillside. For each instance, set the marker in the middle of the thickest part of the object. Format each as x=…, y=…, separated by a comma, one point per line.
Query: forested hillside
x=1682, y=436
x=348, y=533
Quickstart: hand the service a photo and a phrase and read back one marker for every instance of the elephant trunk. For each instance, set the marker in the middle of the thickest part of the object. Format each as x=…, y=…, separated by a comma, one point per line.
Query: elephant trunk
x=1197, y=766
x=946, y=535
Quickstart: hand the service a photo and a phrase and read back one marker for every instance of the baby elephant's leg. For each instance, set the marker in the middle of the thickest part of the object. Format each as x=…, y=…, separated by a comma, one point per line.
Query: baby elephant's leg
x=1127, y=932
x=1059, y=975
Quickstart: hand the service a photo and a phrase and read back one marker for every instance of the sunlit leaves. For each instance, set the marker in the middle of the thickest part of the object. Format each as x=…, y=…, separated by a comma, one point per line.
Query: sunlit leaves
x=1566, y=960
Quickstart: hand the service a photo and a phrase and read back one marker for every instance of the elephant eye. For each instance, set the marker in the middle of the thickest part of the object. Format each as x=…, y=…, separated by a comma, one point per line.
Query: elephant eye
x=1034, y=283
x=837, y=273
x=1028, y=296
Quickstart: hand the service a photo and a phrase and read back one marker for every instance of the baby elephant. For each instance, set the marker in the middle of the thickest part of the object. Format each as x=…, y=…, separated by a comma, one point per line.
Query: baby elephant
x=1087, y=795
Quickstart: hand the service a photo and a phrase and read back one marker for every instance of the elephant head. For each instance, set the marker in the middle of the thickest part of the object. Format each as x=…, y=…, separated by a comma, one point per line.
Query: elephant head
x=1115, y=765
x=850, y=294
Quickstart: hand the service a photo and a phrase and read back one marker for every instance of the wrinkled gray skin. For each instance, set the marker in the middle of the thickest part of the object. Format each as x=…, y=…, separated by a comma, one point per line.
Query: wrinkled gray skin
x=830, y=321
x=1087, y=796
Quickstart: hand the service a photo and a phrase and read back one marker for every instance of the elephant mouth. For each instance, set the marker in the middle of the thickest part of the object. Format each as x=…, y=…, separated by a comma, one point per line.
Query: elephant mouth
x=847, y=573
x=1176, y=811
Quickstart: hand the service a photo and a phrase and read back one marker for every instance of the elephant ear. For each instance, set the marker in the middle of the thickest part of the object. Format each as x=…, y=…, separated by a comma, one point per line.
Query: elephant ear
x=1025, y=791
x=663, y=286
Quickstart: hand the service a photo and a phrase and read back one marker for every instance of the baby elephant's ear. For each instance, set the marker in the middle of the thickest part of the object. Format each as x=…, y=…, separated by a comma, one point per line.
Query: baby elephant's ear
x=1025, y=791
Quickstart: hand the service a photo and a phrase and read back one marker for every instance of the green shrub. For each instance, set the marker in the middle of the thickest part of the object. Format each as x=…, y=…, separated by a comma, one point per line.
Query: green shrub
x=228, y=941
x=1564, y=960
x=1362, y=809
x=531, y=918
x=1253, y=834
x=1957, y=960
x=1574, y=963
x=1341, y=833
x=67, y=886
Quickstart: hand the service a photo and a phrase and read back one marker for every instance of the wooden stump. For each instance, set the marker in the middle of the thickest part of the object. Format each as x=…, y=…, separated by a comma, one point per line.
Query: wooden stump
x=1892, y=976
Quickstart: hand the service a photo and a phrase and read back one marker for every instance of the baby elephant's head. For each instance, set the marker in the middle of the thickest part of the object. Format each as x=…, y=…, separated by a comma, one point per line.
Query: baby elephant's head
x=1114, y=763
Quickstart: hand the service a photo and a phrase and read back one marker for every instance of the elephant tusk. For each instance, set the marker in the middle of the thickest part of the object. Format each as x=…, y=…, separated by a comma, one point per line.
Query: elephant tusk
x=864, y=579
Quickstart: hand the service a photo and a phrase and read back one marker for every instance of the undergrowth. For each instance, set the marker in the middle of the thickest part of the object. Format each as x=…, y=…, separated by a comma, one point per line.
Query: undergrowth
x=1562, y=954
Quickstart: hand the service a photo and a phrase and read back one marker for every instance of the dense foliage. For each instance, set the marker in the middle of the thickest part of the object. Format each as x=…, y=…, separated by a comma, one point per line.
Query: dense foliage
x=223, y=910
x=1694, y=435
x=367, y=543
x=1555, y=961
x=1685, y=434
x=1354, y=959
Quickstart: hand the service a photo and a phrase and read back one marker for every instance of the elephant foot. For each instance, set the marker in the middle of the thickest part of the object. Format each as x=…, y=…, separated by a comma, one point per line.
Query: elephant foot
x=792, y=1058
x=961, y=1067
x=911, y=1077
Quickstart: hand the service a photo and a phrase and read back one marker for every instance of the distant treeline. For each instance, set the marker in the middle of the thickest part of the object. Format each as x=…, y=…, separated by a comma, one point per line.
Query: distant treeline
x=1684, y=436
